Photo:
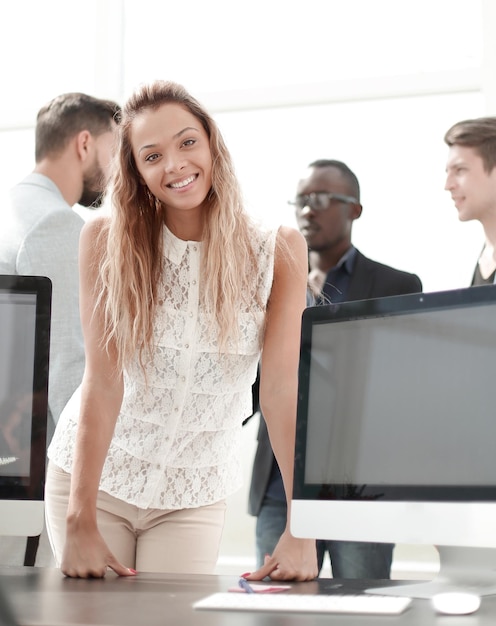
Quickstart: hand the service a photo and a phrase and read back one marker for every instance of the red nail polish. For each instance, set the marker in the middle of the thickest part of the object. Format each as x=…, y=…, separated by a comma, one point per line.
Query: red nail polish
x=132, y=570
x=245, y=574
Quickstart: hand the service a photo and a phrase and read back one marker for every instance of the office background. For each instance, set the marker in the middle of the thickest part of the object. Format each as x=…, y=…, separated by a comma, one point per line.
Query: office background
x=375, y=83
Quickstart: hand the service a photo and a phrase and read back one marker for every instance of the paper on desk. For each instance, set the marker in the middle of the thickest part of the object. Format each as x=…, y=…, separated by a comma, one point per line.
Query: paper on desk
x=262, y=588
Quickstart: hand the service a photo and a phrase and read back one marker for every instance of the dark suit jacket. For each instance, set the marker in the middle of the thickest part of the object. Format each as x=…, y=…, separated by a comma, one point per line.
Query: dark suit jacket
x=369, y=280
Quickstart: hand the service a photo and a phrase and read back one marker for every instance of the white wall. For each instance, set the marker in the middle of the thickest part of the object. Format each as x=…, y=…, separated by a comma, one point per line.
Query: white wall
x=289, y=82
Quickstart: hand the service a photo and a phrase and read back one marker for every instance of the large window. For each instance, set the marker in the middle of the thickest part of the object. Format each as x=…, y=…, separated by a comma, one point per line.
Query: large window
x=223, y=45
x=396, y=149
x=374, y=83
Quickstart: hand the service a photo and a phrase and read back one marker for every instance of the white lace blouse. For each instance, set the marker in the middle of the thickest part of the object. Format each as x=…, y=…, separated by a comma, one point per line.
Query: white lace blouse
x=176, y=443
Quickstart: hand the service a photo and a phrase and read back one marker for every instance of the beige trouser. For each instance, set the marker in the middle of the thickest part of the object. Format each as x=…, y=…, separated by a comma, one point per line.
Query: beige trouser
x=148, y=540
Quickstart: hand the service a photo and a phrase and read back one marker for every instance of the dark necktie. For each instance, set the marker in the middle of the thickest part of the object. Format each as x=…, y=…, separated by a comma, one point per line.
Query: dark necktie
x=332, y=292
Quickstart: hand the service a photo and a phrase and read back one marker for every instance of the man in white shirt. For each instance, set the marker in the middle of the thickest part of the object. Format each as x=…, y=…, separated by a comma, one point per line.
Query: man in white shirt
x=75, y=136
x=471, y=181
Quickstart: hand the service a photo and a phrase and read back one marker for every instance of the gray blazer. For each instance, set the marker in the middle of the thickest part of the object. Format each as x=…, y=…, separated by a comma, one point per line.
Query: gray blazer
x=370, y=279
x=40, y=236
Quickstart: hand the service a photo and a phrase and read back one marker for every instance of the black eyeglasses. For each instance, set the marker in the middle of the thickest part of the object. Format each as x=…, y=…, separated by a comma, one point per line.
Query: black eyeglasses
x=320, y=200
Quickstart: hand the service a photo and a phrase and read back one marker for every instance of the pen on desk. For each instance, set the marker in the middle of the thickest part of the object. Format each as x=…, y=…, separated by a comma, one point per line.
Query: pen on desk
x=244, y=584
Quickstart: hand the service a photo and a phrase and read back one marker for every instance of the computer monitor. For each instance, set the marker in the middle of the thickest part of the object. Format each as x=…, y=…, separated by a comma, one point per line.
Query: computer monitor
x=25, y=305
x=396, y=429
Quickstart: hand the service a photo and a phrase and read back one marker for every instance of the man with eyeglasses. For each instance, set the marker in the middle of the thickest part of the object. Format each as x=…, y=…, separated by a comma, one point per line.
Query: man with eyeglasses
x=327, y=203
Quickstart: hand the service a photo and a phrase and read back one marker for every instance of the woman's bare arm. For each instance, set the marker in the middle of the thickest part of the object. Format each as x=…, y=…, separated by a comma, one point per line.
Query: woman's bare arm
x=85, y=552
x=292, y=558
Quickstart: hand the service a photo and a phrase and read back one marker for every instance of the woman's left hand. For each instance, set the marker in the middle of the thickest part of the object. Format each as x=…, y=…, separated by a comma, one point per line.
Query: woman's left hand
x=292, y=559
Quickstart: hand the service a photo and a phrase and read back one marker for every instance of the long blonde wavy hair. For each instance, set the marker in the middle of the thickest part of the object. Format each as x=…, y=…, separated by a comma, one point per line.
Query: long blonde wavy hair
x=132, y=262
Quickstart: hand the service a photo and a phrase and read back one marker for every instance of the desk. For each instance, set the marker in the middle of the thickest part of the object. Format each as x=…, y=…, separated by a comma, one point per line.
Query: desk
x=43, y=597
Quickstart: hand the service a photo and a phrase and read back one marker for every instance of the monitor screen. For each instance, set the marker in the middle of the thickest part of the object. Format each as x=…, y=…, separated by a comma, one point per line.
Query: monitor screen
x=396, y=424
x=25, y=305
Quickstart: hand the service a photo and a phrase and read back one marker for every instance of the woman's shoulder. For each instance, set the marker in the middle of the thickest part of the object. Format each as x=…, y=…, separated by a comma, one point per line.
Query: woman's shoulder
x=290, y=236
x=290, y=243
x=95, y=228
x=279, y=240
x=96, y=225
x=94, y=234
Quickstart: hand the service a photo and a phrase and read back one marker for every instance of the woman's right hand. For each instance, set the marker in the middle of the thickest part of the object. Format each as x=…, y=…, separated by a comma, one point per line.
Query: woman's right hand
x=86, y=555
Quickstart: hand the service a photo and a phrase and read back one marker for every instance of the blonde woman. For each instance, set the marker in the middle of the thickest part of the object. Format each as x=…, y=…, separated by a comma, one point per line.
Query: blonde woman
x=181, y=294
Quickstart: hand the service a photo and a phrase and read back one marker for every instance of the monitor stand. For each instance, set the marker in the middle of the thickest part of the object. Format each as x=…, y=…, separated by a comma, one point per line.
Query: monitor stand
x=461, y=569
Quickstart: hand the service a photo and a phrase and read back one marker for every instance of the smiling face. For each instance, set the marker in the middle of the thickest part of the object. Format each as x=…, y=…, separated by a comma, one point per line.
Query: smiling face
x=172, y=153
x=472, y=189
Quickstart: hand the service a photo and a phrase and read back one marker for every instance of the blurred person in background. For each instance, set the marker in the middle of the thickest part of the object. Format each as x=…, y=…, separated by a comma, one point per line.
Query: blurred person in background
x=326, y=204
x=74, y=145
x=471, y=181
